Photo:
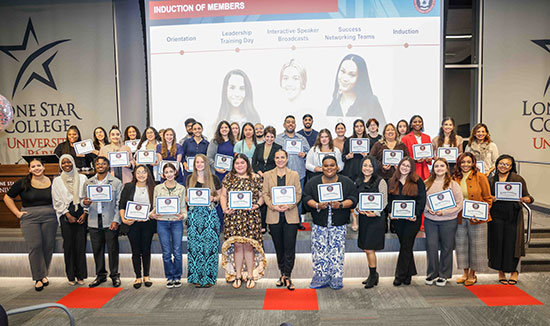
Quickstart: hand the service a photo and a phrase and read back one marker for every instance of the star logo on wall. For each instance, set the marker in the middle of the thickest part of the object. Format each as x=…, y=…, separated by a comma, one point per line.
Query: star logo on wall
x=37, y=55
x=545, y=44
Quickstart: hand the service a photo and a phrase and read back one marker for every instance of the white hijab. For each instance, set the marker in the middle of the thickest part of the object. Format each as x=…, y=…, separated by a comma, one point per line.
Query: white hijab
x=71, y=179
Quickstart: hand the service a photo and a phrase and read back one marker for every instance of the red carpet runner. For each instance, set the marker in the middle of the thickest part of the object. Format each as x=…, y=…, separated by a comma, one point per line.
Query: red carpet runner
x=503, y=295
x=88, y=298
x=283, y=299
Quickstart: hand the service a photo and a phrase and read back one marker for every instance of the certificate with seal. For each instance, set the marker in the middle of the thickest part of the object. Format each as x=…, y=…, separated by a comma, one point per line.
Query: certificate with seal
x=359, y=145
x=223, y=162
x=403, y=208
x=168, y=205
x=99, y=193
x=132, y=144
x=475, y=209
x=118, y=159
x=421, y=151
x=330, y=192
x=293, y=146
x=322, y=155
x=84, y=147
x=190, y=161
x=146, y=156
x=509, y=191
x=448, y=153
x=442, y=200
x=283, y=195
x=371, y=201
x=198, y=196
x=391, y=157
x=240, y=199
x=480, y=166
x=137, y=211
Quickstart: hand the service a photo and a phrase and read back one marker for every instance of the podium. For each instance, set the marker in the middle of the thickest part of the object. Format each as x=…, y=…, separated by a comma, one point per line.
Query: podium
x=9, y=173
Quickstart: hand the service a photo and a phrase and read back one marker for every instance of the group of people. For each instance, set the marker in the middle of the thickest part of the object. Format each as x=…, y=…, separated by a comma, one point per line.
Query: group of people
x=260, y=161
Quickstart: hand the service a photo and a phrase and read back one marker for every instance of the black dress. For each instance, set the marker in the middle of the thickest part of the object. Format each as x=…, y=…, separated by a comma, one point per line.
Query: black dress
x=352, y=167
x=372, y=229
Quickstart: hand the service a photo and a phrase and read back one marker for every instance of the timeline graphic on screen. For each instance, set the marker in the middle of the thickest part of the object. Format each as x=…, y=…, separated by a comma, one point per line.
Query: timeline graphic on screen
x=260, y=60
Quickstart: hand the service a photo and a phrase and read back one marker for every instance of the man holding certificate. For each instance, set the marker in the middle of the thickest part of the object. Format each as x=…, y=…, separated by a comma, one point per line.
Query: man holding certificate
x=330, y=197
x=506, y=231
x=103, y=220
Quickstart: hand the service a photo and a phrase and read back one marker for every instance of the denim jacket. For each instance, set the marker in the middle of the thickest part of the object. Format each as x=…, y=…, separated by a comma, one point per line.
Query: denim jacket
x=110, y=212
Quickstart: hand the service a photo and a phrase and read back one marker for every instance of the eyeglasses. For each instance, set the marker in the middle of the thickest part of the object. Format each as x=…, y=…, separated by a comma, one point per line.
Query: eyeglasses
x=506, y=165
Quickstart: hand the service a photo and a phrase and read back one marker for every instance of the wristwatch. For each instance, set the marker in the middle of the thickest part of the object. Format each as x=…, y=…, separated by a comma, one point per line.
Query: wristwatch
x=341, y=205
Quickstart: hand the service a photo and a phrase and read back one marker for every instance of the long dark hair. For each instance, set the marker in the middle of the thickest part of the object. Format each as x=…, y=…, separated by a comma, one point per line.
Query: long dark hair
x=66, y=146
x=144, y=136
x=410, y=188
x=447, y=182
x=218, y=136
x=28, y=178
x=247, y=107
x=138, y=134
x=249, y=124
x=473, y=138
x=504, y=157
x=411, y=122
x=452, y=136
x=374, y=177
x=458, y=174
x=355, y=135
x=397, y=128
x=105, y=140
x=150, y=182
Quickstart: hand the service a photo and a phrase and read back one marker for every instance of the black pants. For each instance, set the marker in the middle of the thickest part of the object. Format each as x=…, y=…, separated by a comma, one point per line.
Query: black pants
x=141, y=236
x=98, y=238
x=74, y=249
x=263, y=213
x=284, y=240
x=406, y=232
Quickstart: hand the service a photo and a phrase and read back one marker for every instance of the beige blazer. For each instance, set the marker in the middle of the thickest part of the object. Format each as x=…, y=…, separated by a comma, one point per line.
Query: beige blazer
x=270, y=181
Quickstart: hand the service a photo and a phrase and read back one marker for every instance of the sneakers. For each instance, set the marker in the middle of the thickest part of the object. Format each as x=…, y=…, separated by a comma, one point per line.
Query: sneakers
x=177, y=283
x=430, y=281
x=169, y=284
x=441, y=282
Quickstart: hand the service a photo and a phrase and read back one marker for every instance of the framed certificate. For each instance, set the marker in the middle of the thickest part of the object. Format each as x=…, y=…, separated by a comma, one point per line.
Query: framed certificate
x=475, y=209
x=190, y=161
x=448, y=153
x=146, y=156
x=421, y=151
x=137, y=211
x=509, y=191
x=284, y=195
x=322, y=155
x=480, y=166
x=392, y=157
x=198, y=196
x=132, y=144
x=293, y=146
x=359, y=145
x=223, y=162
x=84, y=147
x=442, y=200
x=403, y=208
x=168, y=205
x=371, y=201
x=99, y=193
x=330, y=192
x=164, y=162
x=240, y=199
x=118, y=159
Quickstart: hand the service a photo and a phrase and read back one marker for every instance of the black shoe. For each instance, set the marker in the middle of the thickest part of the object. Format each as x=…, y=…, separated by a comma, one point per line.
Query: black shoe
x=301, y=227
x=46, y=283
x=38, y=288
x=97, y=281
x=116, y=282
x=148, y=283
x=365, y=281
x=407, y=281
x=396, y=282
x=137, y=285
x=372, y=280
x=177, y=283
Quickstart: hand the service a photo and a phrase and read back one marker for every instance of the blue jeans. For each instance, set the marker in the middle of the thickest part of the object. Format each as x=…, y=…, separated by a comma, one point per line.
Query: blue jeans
x=170, y=236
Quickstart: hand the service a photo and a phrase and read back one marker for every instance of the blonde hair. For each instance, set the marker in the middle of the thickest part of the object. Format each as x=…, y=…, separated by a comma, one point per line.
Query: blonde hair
x=164, y=146
x=208, y=177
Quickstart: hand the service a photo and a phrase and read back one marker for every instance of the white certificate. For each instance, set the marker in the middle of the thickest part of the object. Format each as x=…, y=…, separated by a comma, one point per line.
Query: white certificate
x=146, y=157
x=190, y=161
x=240, y=199
x=448, y=153
x=99, y=193
x=391, y=157
x=284, y=195
x=359, y=145
x=480, y=166
x=371, y=201
x=422, y=151
x=322, y=156
x=442, y=200
x=168, y=205
x=164, y=162
x=223, y=162
x=293, y=146
x=198, y=196
x=137, y=211
x=132, y=144
x=475, y=209
x=510, y=191
x=118, y=159
x=403, y=208
x=84, y=147
x=330, y=192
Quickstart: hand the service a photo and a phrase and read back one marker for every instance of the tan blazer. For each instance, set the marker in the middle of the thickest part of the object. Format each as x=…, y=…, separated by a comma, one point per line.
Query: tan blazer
x=270, y=181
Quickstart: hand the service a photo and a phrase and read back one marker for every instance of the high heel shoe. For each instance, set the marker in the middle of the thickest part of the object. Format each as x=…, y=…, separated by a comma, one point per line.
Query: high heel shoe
x=281, y=281
x=372, y=280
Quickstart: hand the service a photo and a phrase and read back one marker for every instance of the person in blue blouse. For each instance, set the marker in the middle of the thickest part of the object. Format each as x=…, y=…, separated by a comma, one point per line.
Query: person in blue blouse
x=193, y=146
x=247, y=144
x=170, y=150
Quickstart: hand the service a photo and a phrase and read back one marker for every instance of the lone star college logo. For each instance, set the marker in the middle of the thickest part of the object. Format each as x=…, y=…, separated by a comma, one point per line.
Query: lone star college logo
x=36, y=55
x=545, y=44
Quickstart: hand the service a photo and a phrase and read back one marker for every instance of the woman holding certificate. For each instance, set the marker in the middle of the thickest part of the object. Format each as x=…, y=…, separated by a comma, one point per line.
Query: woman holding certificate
x=471, y=237
x=146, y=152
x=191, y=147
x=203, y=224
x=241, y=199
x=407, y=199
x=330, y=197
x=420, y=146
x=119, y=155
x=442, y=208
x=281, y=192
x=506, y=231
x=247, y=144
x=340, y=139
x=169, y=150
x=221, y=147
x=66, y=190
x=389, y=151
x=448, y=144
x=323, y=147
x=83, y=158
x=99, y=140
x=135, y=202
x=372, y=191
x=483, y=148
x=169, y=214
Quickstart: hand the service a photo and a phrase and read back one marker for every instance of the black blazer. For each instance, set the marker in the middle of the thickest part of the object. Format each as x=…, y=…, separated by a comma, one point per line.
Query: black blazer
x=258, y=163
x=127, y=195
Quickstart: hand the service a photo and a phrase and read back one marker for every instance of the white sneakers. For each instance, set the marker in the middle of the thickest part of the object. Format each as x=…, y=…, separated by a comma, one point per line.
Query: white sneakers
x=439, y=282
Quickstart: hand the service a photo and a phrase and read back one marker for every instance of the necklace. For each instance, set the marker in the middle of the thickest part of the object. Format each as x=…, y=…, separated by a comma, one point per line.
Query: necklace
x=307, y=135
